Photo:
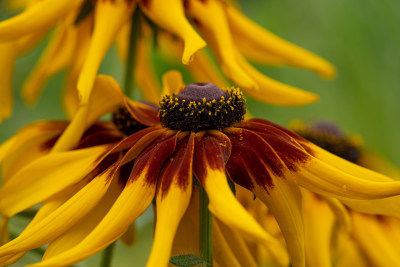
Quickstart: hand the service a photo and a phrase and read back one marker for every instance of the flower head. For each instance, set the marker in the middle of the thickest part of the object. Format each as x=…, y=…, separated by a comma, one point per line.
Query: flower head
x=115, y=171
x=85, y=30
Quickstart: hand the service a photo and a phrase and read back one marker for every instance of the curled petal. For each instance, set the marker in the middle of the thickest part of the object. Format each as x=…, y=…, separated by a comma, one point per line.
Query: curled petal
x=261, y=41
x=170, y=15
x=144, y=113
x=109, y=18
x=212, y=151
x=173, y=196
x=212, y=21
x=41, y=15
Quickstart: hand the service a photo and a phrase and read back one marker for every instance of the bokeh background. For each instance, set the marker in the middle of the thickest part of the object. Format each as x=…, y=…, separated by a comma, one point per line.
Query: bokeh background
x=360, y=37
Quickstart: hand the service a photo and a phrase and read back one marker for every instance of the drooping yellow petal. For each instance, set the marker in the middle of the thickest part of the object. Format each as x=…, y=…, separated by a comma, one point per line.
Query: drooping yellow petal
x=264, y=42
x=109, y=18
x=325, y=179
x=41, y=15
x=274, y=92
x=63, y=218
x=212, y=151
x=58, y=54
x=131, y=203
x=129, y=237
x=348, y=253
x=284, y=202
x=70, y=97
x=222, y=253
x=318, y=221
x=172, y=82
x=79, y=231
x=46, y=177
x=106, y=97
x=237, y=245
x=212, y=22
x=145, y=76
x=376, y=238
x=7, y=58
x=170, y=15
x=173, y=196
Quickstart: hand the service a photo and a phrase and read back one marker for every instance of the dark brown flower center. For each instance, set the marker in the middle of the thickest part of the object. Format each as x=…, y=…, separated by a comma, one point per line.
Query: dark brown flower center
x=201, y=106
x=329, y=137
x=125, y=122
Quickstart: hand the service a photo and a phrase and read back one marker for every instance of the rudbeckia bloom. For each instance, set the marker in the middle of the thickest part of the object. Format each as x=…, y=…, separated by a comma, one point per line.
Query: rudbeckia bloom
x=368, y=231
x=84, y=30
x=93, y=192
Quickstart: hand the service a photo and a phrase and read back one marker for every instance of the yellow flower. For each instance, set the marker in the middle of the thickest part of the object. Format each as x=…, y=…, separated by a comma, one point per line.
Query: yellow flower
x=109, y=176
x=367, y=230
x=84, y=30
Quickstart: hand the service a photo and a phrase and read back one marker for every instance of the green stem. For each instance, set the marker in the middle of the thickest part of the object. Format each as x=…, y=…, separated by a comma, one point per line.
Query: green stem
x=206, y=244
x=106, y=257
x=130, y=61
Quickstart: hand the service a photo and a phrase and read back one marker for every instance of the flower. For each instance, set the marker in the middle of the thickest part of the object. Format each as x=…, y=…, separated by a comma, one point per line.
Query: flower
x=93, y=192
x=379, y=218
x=84, y=30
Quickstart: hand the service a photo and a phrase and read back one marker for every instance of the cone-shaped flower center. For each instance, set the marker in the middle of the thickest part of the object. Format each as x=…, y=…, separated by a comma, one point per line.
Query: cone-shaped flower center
x=125, y=122
x=201, y=106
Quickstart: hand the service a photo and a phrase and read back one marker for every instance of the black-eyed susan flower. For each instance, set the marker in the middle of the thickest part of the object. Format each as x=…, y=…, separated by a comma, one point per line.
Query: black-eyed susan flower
x=93, y=192
x=348, y=231
x=84, y=30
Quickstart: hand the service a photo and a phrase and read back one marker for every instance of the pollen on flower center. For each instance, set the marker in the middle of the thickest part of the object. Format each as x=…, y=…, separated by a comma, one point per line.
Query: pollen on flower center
x=201, y=106
x=125, y=122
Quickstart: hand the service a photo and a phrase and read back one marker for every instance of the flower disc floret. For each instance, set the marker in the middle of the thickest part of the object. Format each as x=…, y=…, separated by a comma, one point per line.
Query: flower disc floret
x=125, y=122
x=202, y=106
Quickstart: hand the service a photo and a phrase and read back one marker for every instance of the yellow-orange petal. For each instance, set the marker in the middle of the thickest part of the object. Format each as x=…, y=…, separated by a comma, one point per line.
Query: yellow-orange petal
x=42, y=14
x=172, y=82
x=170, y=15
x=109, y=18
x=213, y=24
x=173, y=196
x=7, y=58
x=46, y=177
x=262, y=41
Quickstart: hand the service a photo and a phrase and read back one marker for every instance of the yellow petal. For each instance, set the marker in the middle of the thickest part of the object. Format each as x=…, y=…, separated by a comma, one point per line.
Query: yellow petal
x=130, y=236
x=237, y=245
x=325, y=179
x=42, y=179
x=109, y=18
x=318, y=221
x=41, y=15
x=145, y=76
x=348, y=252
x=222, y=253
x=79, y=231
x=284, y=202
x=4, y=235
x=264, y=41
x=132, y=202
x=170, y=15
x=377, y=239
x=274, y=92
x=173, y=196
x=106, y=97
x=63, y=218
x=7, y=58
x=172, y=82
x=212, y=22
x=57, y=55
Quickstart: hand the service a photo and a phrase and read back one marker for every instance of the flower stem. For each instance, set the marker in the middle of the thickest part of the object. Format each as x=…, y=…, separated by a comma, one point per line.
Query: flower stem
x=206, y=244
x=130, y=61
x=106, y=257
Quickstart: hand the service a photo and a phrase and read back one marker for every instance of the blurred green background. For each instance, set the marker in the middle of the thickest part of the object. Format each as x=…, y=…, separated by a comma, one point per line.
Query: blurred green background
x=360, y=37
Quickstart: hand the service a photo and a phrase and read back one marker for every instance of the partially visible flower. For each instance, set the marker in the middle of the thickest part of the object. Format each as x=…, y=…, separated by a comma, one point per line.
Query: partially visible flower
x=85, y=30
x=368, y=232
x=112, y=178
